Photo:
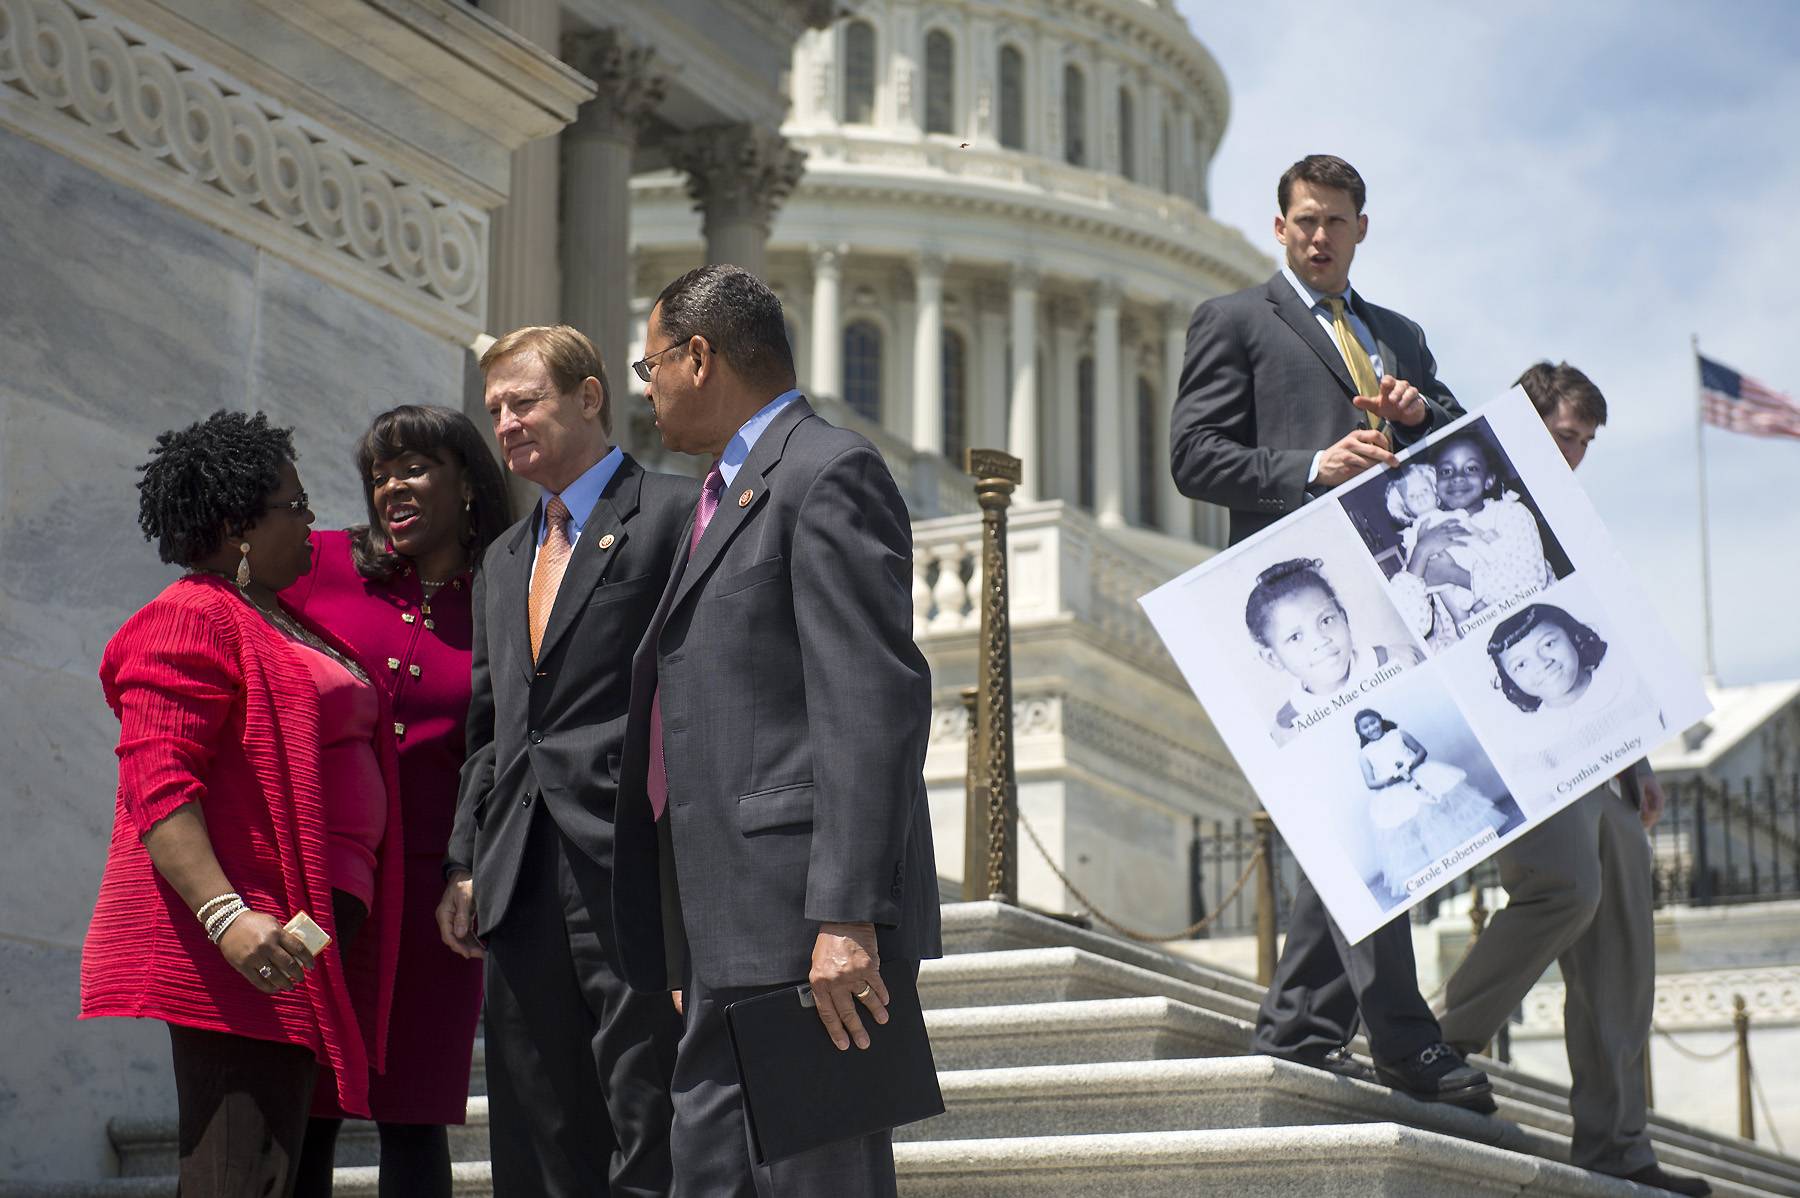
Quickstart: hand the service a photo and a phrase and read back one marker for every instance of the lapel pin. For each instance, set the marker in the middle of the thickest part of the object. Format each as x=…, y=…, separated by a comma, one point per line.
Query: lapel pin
x=746, y=497
x=606, y=542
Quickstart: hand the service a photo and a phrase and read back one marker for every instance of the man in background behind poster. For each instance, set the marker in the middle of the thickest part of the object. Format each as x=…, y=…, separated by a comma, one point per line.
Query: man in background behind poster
x=1289, y=389
x=1579, y=893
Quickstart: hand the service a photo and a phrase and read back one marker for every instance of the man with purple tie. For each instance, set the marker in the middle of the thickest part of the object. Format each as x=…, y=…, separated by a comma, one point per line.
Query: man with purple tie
x=772, y=825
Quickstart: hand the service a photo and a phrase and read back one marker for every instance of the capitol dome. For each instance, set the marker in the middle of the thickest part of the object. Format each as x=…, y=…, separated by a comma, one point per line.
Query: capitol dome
x=999, y=234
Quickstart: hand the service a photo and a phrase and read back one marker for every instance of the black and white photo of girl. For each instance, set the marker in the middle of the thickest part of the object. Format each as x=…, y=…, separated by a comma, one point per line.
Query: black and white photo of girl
x=1576, y=710
x=1421, y=808
x=1457, y=534
x=1303, y=630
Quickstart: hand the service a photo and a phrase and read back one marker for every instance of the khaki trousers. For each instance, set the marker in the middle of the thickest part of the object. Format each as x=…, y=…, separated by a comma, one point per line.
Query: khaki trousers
x=1579, y=893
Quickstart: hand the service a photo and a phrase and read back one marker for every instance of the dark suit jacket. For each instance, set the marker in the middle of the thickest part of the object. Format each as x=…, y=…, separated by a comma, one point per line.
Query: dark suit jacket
x=549, y=734
x=795, y=712
x=1263, y=388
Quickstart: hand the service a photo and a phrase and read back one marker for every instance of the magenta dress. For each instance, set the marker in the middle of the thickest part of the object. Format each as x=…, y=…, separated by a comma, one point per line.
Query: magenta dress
x=421, y=659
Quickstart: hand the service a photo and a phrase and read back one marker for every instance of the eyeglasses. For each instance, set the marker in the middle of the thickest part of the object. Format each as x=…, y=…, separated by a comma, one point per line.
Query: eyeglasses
x=298, y=505
x=643, y=366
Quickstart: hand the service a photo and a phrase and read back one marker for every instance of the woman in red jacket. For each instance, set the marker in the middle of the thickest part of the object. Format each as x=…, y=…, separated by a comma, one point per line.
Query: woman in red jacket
x=397, y=591
x=256, y=780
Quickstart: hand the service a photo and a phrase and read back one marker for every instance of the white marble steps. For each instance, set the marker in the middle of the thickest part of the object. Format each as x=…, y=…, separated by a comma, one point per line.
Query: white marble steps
x=1371, y=1160
x=146, y=1147
x=1245, y=1092
x=1105, y=967
x=1010, y=977
x=1376, y=1160
x=988, y=926
x=1140, y=1028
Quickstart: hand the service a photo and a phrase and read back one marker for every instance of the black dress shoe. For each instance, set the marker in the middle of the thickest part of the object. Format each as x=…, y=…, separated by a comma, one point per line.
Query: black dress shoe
x=1675, y=1183
x=1437, y=1073
x=1338, y=1061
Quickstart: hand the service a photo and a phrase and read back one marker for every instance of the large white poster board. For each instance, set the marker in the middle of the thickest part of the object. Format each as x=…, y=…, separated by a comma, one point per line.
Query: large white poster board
x=1427, y=662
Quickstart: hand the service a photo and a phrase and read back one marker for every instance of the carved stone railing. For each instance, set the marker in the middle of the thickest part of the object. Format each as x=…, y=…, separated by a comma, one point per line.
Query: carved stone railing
x=1064, y=567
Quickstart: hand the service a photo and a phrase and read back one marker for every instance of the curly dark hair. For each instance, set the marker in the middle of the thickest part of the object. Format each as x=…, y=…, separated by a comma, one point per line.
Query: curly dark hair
x=443, y=435
x=1589, y=648
x=1278, y=582
x=209, y=481
x=1356, y=720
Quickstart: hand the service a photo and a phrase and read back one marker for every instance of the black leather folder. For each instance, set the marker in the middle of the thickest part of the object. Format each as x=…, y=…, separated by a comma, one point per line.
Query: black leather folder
x=800, y=1092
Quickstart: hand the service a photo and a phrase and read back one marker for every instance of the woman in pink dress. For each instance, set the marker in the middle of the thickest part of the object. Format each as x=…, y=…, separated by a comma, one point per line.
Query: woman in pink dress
x=397, y=591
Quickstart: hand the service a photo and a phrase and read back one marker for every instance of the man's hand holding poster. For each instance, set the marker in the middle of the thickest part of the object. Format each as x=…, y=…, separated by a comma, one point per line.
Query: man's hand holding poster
x=1428, y=662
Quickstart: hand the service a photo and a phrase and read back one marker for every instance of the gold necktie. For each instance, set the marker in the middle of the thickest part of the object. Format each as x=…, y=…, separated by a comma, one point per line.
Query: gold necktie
x=547, y=572
x=1362, y=371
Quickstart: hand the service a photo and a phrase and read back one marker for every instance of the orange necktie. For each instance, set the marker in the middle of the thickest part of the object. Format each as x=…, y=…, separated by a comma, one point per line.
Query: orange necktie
x=547, y=573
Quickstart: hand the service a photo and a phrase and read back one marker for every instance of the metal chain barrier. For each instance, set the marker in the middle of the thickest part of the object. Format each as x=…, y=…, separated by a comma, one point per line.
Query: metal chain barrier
x=1689, y=1053
x=1762, y=1100
x=1193, y=929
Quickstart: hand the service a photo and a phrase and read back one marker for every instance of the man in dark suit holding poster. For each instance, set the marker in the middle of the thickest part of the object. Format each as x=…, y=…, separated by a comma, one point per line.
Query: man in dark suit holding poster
x=772, y=819
x=1289, y=389
x=578, y=1064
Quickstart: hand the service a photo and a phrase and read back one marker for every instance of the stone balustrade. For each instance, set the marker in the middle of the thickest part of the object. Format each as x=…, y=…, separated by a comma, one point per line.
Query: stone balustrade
x=1064, y=568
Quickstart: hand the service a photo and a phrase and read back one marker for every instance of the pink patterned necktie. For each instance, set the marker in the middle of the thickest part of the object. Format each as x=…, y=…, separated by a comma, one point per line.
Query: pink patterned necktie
x=658, y=780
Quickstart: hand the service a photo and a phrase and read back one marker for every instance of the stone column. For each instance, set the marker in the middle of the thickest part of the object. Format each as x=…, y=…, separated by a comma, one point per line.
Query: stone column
x=987, y=424
x=928, y=356
x=897, y=415
x=1022, y=416
x=1109, y=462
x=827, y=375
x=1178, y=509
x=738, y=176
x=1065, y=318
x=596, y=226
x=906, y=68
x=523, y=274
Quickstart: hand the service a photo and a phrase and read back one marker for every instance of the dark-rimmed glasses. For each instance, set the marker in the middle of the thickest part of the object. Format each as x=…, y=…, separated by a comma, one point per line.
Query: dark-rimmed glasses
x=643, y=366
x=296, y=506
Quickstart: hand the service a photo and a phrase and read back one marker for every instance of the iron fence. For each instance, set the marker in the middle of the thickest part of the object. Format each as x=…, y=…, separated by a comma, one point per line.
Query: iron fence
x=1714, y=844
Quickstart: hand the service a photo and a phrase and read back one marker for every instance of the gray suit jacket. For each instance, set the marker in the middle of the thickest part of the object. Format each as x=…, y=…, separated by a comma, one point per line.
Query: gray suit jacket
x=795, y=711
x=548, y=735
x=1263, y=388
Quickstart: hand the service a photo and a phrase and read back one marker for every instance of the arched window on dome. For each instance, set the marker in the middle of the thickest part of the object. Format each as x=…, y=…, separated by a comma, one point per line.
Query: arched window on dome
x=1074, y=116
x=1012, y=98
x=859, y=73
x=1127, y=135
x=940, y=82
x=862, y=369
x=955, y=359
x=1148, y=469
x=1084, y=433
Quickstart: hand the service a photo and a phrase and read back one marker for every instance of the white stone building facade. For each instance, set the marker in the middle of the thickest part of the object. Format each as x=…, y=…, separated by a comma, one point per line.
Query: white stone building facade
x=998, y=240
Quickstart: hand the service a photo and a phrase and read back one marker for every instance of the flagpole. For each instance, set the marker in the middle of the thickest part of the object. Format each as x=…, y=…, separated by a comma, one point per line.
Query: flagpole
x=1706, y=614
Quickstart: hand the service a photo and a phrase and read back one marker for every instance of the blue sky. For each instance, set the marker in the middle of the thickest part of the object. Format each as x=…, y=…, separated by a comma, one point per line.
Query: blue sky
x=1591, y=182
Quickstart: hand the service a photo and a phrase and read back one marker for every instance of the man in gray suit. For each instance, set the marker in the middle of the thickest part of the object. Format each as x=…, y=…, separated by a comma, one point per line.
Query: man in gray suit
x=1289, y=389
x=1579, y=892
x=772, y=819
x=578, y=1064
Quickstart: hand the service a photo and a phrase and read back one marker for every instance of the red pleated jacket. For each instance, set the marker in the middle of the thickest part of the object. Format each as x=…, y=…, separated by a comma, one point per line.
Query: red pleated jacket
x=216, y=707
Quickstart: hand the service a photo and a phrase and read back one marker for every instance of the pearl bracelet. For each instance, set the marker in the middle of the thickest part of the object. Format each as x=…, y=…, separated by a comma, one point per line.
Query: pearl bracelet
x=223, y=918
x=204, y=913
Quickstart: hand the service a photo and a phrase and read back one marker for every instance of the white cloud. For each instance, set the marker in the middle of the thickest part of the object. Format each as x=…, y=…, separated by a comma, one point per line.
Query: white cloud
x=1591, y=182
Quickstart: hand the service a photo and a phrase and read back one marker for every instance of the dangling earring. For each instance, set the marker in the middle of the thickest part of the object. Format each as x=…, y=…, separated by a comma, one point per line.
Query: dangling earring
x=243, y=570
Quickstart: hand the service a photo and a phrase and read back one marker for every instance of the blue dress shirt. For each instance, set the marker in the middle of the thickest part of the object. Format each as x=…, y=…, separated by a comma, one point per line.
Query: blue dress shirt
x=740, y=445
x=581, y=495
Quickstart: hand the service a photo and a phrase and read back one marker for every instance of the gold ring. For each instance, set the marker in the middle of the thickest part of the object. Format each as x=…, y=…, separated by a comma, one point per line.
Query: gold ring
x=865, y=991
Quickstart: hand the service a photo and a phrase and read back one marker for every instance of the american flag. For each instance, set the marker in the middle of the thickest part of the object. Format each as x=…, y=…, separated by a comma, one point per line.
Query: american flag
x=1737, y=402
